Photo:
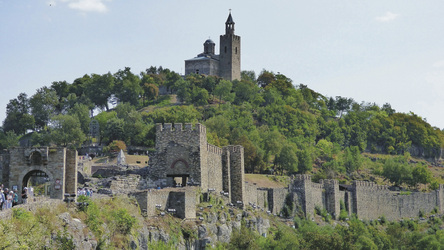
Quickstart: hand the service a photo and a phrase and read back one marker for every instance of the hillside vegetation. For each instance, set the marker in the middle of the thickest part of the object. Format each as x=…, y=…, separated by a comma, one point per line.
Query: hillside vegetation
x=285, y=129
x=116, y=223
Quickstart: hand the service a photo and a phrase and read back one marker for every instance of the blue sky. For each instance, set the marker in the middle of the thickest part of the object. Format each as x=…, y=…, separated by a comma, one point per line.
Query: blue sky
x=373, y=51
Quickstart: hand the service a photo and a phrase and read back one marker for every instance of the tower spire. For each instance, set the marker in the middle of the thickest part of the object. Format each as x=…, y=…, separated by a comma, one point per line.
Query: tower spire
x=229, y=25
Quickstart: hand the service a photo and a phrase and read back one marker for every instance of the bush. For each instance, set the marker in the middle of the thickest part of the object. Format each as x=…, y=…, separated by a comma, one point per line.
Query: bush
x=123, y=221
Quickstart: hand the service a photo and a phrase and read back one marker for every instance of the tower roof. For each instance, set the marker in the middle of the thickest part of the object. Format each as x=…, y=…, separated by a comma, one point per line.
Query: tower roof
x=229, y=19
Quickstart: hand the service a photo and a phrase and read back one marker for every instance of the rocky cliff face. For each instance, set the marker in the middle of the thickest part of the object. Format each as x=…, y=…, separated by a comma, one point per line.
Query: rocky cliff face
x=209, y=229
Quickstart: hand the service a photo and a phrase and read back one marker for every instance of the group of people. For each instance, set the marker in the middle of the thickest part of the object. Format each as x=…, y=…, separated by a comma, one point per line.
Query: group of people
x=85, y=192
x=8, y=198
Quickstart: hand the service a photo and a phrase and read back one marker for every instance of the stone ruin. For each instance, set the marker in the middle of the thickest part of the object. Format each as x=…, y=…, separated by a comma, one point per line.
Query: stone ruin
x=57, y=165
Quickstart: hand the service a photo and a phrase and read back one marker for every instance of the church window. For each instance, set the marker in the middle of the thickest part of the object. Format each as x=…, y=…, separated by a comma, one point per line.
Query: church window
x=225, y=49
x=236, y=50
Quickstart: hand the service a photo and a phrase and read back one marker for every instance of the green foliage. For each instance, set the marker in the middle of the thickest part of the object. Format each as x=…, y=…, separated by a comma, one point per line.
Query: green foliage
x=305, y=163
x=123, y=221
x=243, y=239
x=397, y=171
x=352, y=159
x=288, y=208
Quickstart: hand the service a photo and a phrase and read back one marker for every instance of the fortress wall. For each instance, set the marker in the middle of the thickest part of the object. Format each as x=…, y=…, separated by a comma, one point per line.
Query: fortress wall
x=332, y=197
x=373, y=201
x=156, y=197
x=184, y=202
x=4, y=167
x=180, y=134
x=237, y=173
x=303, y=189
x=250, y=193
x=276, y=200
x=226, y=182
x=262, y=198
x=214, y=168
x=317, y=196
x=71, y=172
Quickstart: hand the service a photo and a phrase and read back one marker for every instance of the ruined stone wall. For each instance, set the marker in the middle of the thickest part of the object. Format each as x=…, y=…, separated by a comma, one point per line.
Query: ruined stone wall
x=71, y=172
x=226, y=179
x=276, y=199
x=302, y=187
x=237, y=173
x=250, y=193
x=180, y=151
x=372, y=201
x=332, y=197
x=156, y=197
x=182, y=200
x=262, y=198
x=4, y=167
x=52, y=162
x=214, y=168
x=366, y=199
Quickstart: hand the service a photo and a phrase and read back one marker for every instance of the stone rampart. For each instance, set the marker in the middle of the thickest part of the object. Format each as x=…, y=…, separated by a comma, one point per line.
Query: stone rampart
x=365, y=199
x=214, y=168
x=237, y=173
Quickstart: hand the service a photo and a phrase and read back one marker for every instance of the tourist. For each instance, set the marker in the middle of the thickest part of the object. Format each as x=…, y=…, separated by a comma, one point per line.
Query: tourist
x=25, y=195
x=2, y=198
x=9, y=200
x=15, y=199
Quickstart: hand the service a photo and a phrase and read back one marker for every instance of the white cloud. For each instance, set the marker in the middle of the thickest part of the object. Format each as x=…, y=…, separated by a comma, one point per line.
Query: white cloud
x=87, y=5
x=387, y=17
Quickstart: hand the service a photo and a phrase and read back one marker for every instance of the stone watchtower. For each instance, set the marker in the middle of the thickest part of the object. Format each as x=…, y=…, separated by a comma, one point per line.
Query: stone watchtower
x=230, y=51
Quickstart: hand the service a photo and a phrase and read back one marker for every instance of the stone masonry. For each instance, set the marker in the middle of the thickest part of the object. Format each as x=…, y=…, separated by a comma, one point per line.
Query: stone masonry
x=58, y=165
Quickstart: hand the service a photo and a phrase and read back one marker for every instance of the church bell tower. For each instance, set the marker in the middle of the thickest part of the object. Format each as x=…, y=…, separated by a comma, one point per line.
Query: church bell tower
x=230, y=51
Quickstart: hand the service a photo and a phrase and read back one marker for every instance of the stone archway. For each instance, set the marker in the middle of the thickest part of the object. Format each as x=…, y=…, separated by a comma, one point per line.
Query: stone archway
x=39, y=181
x=26, y=175
x=56, y=168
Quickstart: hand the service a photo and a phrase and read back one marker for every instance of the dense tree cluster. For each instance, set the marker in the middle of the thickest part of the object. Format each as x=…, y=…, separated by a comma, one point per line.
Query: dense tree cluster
x=354, y=234
x=284, y=128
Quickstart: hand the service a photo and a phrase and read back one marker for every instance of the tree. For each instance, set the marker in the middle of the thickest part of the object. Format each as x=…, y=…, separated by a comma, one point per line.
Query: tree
x=127, y=87
x=18, y=118
x=352, y=159
x=343, y=104
x=43, y=105
x=305, y=162
x=397, y=171
x=421, y=174
x=265, y=78
x=287, y=159
x=100, y=89
x=8, y=139
x=81, y=111
x=223, y=90
x=66, y=131
x=114, y=129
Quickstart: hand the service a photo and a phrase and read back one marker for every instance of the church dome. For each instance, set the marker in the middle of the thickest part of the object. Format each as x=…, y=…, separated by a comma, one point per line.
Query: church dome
x=209, y=41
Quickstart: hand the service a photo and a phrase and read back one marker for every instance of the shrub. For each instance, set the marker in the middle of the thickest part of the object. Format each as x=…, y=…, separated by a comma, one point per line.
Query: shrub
x=123, y=220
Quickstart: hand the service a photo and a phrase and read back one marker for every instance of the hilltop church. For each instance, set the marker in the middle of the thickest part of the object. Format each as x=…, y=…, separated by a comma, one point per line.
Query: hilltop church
x=226, y=64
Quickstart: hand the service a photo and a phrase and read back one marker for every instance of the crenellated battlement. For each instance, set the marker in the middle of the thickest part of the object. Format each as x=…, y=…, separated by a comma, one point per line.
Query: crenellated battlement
x=214, y=149
x=369, y=186
x=330, y=182
x=302, y=177
x=179, y=127
x=234, y=148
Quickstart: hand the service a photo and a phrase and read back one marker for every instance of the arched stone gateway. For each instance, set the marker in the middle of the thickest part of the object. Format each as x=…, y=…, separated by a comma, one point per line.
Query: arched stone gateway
x=57, y=168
